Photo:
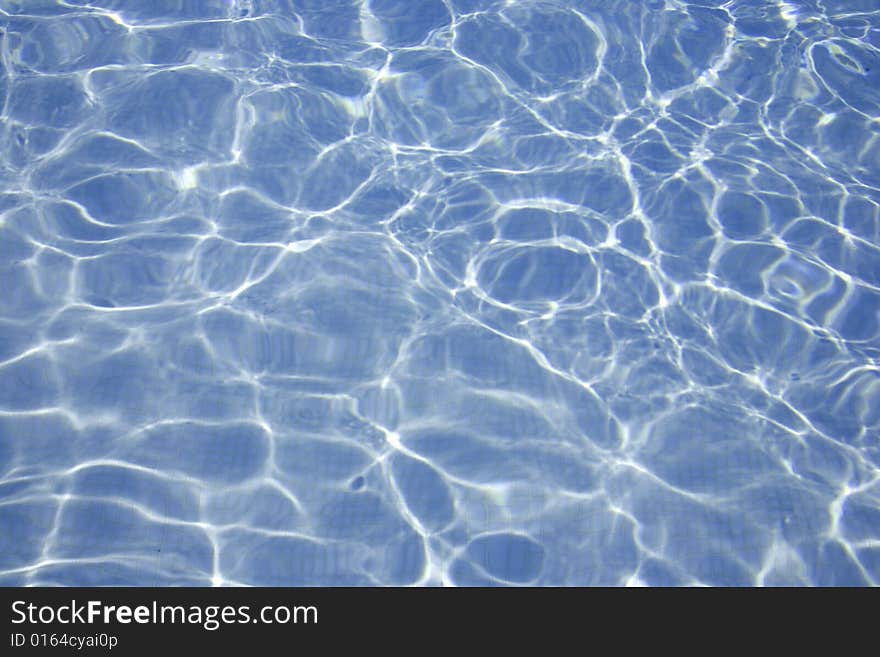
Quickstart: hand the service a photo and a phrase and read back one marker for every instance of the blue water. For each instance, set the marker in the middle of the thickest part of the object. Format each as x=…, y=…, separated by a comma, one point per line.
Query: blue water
x=435, y=292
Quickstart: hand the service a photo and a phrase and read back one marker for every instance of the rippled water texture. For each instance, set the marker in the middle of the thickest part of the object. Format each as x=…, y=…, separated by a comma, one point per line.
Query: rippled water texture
x=439, y=292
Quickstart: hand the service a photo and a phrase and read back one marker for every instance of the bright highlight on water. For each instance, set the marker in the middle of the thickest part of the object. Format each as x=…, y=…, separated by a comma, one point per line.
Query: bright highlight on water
x=439, y=292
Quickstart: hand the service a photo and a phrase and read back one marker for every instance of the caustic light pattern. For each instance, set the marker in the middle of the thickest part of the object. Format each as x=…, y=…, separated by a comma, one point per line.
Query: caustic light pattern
x=439, y=292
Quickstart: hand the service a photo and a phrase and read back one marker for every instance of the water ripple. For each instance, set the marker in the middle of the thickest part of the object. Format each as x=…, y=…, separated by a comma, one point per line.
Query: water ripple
x=468, y=292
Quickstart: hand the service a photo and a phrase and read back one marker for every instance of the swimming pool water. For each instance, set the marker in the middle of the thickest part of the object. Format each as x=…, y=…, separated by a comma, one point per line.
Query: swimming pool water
x=434, y=292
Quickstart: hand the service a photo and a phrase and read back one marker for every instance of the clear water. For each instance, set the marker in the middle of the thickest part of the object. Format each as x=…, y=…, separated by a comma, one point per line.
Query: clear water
x=439, y=292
